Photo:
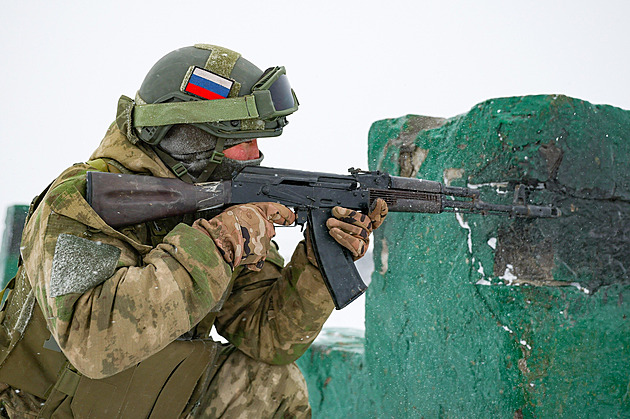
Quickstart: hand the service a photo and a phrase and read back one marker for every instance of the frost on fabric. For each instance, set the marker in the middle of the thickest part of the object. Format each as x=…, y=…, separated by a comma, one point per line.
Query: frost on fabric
x=80, y=264
x=26, y=311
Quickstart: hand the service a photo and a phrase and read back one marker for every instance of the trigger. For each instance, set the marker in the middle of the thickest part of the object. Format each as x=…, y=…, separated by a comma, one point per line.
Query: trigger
x=301, y=217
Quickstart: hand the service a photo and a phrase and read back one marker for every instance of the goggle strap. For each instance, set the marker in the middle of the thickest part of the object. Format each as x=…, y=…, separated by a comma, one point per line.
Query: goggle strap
x=195, y=112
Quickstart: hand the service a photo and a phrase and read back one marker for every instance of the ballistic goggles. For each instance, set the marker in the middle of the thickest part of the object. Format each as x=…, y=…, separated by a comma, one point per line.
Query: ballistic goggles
x=271, y=98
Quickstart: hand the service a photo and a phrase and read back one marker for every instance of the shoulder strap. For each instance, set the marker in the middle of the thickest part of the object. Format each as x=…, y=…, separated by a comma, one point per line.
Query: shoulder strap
x=176, y=166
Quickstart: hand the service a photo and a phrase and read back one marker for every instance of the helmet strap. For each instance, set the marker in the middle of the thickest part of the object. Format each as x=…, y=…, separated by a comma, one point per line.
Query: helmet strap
x=176, y=166
x=215, y=161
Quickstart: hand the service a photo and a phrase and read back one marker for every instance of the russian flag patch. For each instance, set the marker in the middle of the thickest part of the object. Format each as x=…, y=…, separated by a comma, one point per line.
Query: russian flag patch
x=206, y=84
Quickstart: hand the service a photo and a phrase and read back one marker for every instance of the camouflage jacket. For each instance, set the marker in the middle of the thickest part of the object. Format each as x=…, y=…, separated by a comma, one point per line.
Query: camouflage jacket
x=112, y=298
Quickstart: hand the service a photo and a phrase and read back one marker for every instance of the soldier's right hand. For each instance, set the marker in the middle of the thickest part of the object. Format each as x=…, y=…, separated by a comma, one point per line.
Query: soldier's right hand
x=243, y=233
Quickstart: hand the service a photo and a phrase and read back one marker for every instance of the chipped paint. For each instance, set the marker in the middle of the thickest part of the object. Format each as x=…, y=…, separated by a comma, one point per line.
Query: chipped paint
x=384, y=257
x=500, y=188
x=452, y=174
x=463, y=224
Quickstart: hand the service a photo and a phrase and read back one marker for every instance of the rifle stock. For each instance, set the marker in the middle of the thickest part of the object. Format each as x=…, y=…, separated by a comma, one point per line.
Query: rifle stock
x=122, y=200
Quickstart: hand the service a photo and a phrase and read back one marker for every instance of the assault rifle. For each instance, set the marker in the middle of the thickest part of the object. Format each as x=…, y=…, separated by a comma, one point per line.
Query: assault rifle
x=123, y=200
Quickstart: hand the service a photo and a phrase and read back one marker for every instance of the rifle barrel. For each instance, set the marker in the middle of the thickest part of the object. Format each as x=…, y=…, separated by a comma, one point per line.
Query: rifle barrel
x=480, y=207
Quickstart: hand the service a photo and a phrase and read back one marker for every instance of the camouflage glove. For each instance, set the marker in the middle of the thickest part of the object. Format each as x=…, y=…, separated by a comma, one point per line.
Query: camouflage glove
x=243, y=233
x=352, y=229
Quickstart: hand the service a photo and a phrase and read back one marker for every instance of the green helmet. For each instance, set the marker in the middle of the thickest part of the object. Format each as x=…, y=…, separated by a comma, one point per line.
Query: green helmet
x=214, y=89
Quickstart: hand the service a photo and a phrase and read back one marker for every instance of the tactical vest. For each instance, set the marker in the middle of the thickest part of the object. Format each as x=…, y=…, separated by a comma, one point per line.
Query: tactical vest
x=159, y=387
x=31, y=361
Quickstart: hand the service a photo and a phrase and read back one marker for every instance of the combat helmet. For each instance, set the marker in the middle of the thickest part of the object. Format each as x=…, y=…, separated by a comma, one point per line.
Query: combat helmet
x=214, y=89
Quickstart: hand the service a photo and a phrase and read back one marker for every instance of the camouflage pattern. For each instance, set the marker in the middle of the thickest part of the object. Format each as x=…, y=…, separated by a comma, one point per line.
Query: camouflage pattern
x=273, y=319
x=162, y=291
x=229, y=394
x=17, y=404
x=352, y=229
x=243, y=233
x=378, y=212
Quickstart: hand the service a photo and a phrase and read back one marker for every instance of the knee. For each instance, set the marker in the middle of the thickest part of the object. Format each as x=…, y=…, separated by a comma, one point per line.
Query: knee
x=279, y=385
x=293, y=378
x=290, y=391
x=287, y=380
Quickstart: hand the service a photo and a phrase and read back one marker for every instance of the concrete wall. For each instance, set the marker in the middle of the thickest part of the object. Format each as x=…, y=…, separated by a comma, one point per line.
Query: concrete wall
x=473, y=316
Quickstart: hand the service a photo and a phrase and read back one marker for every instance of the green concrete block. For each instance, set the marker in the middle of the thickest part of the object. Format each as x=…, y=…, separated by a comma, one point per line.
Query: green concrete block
x=473, y=316
x=334, y=369
x=10, y=252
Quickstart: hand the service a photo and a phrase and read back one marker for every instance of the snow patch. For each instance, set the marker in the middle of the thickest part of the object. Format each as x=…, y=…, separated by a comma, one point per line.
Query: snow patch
x=450, y=175
x=500, y=188
x=508, y=275
x=480, y=270
x=524, y=343
x=580, y=287
x=463, y=224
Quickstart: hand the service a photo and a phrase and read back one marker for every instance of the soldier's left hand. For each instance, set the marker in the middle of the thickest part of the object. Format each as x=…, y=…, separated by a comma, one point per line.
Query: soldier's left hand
x=352, y=229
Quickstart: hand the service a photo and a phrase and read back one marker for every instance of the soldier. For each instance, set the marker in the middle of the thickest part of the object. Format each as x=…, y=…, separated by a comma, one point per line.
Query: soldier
x=103, y=323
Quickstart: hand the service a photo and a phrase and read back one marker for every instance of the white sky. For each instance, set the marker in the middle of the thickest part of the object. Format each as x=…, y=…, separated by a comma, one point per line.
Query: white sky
x=65, y=63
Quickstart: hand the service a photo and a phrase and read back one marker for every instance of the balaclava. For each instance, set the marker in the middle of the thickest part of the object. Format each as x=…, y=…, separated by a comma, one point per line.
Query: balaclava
x=193, y=147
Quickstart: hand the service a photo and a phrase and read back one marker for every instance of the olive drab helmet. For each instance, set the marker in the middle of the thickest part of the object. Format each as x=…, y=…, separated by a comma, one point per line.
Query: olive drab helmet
x=211, y=88
x=214, y=89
